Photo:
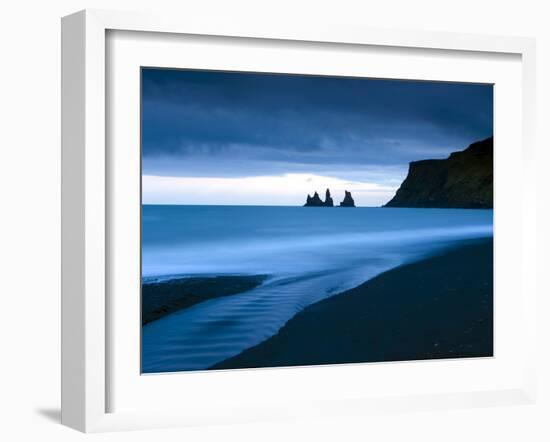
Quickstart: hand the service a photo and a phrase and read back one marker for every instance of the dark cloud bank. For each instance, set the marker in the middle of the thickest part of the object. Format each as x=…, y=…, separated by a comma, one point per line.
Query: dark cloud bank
x=203, y=123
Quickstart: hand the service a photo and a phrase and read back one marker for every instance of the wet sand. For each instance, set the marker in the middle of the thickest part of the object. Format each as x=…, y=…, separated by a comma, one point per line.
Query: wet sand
x=159, y=299
x=441, y=307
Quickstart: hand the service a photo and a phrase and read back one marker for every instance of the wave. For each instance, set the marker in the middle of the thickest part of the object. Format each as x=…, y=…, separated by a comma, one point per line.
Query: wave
x=309, y=258
x=310, y=252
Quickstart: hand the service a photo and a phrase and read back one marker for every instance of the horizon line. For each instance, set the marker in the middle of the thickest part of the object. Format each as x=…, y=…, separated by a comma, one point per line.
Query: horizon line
x=242, y=205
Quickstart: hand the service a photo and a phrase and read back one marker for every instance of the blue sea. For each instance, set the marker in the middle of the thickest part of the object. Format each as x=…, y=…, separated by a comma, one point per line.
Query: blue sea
x=309, y=254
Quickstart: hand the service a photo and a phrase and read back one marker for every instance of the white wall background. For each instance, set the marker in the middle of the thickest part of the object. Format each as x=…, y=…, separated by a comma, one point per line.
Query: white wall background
x=30, y=216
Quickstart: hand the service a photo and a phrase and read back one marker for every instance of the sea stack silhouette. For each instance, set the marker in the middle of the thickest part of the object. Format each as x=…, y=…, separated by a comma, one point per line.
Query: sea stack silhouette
x=316, y=201
x=328, y=199
x=348, y=200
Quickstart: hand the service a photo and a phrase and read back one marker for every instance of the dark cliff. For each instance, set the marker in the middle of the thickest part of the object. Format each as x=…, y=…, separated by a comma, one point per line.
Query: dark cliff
x=464, y=180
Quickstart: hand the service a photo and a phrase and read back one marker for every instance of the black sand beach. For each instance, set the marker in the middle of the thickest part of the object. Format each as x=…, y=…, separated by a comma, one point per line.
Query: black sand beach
x=441, y=307
x=159, y=299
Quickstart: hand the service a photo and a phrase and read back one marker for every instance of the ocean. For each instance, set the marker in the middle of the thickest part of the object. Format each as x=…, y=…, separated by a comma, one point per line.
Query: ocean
x=308, y=253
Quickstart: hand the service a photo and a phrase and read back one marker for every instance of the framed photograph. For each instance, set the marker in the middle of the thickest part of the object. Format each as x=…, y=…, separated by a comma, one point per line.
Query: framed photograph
x=262, y=222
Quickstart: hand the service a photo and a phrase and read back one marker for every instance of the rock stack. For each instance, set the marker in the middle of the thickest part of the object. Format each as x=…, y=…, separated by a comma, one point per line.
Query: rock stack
x=328, y=199
x=316, y=201
x=348, y=200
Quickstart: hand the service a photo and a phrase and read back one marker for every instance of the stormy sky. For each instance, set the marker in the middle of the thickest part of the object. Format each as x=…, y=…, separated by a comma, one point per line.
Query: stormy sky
x=246, y=138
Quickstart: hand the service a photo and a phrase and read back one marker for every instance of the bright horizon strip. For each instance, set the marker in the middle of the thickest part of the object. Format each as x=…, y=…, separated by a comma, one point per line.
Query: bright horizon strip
x=289, y=189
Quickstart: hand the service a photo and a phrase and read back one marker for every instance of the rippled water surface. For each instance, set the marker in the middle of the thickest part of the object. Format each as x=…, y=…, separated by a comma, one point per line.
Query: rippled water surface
x=309, y=253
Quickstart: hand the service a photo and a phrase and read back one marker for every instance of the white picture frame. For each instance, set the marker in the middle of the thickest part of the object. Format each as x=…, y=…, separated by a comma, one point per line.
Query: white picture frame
x=86, y=205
